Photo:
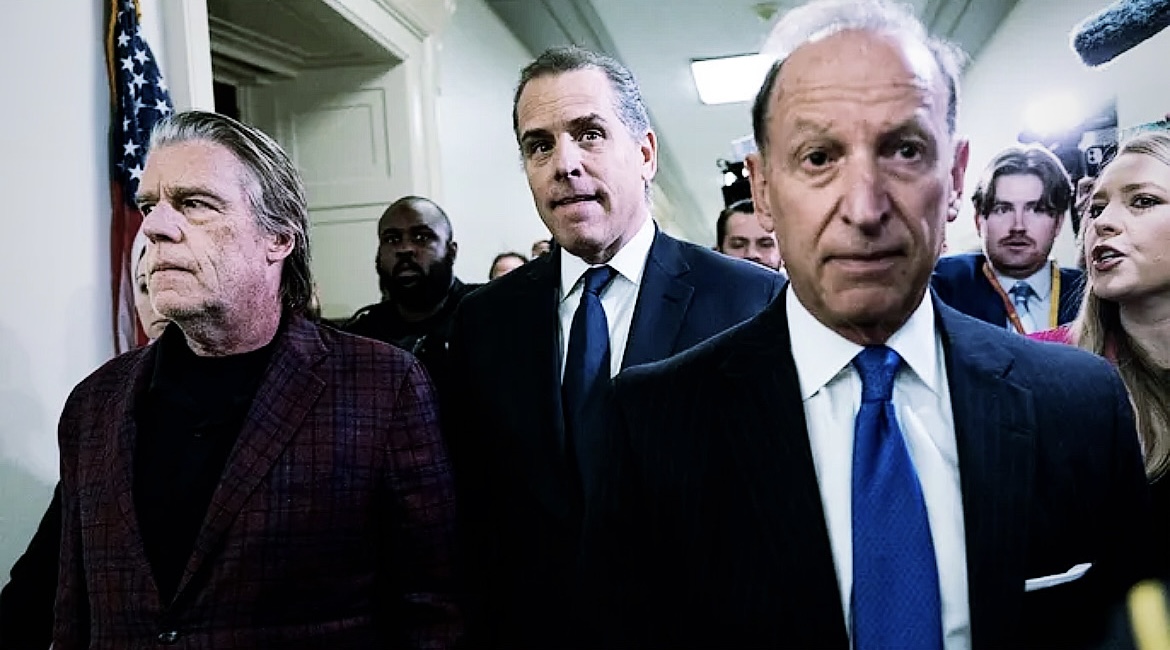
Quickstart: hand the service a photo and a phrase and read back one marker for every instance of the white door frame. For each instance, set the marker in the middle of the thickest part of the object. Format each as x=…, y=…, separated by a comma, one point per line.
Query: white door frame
x=408, y=29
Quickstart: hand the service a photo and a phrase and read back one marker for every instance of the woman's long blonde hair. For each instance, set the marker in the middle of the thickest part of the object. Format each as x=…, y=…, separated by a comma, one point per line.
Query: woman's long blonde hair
x=1098, y=329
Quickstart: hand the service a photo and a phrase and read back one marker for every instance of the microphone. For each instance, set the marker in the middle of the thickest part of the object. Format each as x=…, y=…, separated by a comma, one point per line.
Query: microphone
x=1119, y=27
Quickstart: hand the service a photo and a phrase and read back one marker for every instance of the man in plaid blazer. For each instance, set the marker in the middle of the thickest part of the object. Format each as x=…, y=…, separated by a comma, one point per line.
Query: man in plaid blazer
x=250, y=480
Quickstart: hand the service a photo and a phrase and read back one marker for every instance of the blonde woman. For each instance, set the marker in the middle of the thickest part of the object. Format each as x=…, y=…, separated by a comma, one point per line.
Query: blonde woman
x=1125, y=315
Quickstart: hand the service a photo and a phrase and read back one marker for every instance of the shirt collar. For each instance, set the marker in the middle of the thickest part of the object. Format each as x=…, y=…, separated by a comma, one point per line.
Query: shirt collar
x=1040, y=281
x=821, y=354
x=629, y=261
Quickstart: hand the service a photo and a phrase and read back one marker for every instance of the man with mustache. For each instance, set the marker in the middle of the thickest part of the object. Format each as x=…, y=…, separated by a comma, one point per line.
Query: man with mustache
x=1020, y=204
x=416, y=273
x=533, y=351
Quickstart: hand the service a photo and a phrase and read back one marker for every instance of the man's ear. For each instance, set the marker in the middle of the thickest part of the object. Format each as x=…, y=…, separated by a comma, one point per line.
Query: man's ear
x=649, y=149
x=958, y=172
x=759, y=183
x=279, y=247
x=452, y=248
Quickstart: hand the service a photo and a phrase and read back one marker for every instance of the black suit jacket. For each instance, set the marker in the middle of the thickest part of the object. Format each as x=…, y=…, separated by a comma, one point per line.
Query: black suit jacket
x=520, y=500
x=960, y=283
x=707, y=528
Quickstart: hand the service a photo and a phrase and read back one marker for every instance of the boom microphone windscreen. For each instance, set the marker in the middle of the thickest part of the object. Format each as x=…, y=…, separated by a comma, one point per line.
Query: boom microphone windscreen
x=1120, y=26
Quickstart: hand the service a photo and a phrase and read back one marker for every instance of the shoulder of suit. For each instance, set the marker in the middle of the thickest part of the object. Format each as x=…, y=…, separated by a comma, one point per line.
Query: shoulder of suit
x=1055, y=363
x=525, y=279
x=710, y=262
x=700, y=361
x=960, y=264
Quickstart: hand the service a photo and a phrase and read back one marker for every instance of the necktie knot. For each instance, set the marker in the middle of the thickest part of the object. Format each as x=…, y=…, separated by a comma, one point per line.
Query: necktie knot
x=877, y=365
x=1021, y=292
x=596, y=278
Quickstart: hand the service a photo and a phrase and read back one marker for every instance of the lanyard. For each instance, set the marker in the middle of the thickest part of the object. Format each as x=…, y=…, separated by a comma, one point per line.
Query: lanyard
x=1013, y=317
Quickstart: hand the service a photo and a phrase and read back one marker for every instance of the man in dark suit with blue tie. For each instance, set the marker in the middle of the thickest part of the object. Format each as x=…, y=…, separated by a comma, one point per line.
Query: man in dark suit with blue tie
x=1020, y=204
x=860, y=466
x=533, y=351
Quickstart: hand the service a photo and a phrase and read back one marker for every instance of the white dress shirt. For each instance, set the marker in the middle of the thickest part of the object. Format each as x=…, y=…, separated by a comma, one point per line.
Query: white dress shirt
x=618, y=299
x=831, y=390
x=1041, y=306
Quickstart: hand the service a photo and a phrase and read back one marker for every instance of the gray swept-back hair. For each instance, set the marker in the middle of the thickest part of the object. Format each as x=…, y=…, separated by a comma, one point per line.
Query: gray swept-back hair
x=275, y=194
x=823, y=18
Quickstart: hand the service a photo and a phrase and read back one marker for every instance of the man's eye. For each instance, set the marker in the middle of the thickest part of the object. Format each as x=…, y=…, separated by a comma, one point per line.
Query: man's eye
x=1001, y=209
x=816, y=158
x=1095, y=210
x=540, y=147
x=145, y=208
x=909, y=151
x=591, y=135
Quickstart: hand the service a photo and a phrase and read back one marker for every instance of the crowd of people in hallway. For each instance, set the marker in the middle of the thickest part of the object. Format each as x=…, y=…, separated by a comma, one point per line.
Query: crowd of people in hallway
x=625, y=440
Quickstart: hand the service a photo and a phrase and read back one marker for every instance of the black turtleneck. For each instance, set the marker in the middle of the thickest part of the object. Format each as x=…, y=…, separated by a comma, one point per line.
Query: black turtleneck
x=188, y=422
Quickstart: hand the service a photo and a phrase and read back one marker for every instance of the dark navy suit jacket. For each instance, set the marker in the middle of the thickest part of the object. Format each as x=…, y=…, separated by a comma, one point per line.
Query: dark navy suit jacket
x=960, y=283
x=708, y=531
x=519, y=495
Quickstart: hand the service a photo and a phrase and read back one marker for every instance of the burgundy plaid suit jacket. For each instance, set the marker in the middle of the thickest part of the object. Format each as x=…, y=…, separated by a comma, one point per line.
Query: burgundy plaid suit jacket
x=331, y=526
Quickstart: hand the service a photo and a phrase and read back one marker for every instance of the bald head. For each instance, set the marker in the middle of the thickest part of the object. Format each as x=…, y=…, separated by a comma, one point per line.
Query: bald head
x=418, y=209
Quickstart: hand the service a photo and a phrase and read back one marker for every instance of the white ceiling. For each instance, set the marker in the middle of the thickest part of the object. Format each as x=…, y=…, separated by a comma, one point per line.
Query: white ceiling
x=658, y=39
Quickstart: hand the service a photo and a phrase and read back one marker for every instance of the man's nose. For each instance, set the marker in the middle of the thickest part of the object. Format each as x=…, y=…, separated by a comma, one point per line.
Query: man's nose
x=567, y=158
x=866, y=202
x=161, y=223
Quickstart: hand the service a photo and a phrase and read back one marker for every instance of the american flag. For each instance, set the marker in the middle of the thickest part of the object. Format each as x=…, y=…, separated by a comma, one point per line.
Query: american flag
x=140, y=98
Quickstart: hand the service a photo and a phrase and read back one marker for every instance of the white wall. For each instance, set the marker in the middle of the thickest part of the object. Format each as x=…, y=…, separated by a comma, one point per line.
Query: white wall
x=484, y=189
x=1028, y=58
x=54, y=238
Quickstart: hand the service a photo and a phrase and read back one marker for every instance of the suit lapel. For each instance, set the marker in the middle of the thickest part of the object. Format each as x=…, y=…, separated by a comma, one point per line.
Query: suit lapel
x=119, y=465
x=769, y=441
x=662, y=304
x=536, y=377
x=285, y=396
x=995, y=430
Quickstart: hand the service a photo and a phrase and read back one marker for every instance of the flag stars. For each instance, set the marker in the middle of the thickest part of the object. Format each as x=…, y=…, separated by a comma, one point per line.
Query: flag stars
x=123, y=39
x=131, y=148
x=138, y=81
x=141, y=56
x=136, y=172
x=128, y=64
x=161, y=107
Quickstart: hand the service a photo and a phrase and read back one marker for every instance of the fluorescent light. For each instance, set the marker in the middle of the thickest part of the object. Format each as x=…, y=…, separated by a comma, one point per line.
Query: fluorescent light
x=730, y=79
x=1053, y=114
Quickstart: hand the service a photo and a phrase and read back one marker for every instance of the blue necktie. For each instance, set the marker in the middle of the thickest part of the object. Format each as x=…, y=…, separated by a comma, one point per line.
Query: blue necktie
x=1022, y=293
x=587, y=361
x=895, y=602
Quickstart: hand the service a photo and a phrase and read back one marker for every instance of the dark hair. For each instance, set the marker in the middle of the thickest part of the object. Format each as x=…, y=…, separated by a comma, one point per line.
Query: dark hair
x=742, y=206
x=558, y=60
x=1031, y=159
x=504, y=256
x=413, y=203
x=275, y=194
x=816, y=20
